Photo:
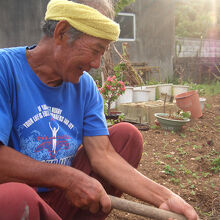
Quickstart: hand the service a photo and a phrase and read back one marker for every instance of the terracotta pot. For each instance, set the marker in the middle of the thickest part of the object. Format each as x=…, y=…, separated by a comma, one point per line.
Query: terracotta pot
x=189, y=101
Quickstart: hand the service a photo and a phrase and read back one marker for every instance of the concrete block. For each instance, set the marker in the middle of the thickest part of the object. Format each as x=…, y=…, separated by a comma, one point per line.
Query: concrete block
x=144, y=112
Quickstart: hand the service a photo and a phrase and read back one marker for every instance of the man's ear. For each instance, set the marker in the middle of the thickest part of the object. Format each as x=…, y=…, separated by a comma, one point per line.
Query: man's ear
x=59, y=33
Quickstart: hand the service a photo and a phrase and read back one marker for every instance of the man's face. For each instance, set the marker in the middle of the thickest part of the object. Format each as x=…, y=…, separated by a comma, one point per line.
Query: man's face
x=81, y=55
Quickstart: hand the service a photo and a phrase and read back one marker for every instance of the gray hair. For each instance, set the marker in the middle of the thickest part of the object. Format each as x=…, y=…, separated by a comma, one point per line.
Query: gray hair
x=103, y=6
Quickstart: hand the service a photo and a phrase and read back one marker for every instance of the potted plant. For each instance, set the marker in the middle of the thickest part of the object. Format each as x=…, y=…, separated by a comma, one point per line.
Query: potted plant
x=172, y=122
x=111, y=90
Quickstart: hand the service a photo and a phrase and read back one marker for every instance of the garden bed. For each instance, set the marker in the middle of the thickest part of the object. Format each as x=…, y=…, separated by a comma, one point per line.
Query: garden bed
x=182, y=160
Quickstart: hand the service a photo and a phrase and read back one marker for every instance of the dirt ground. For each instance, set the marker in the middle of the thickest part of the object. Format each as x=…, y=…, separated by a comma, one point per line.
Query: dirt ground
x=183, y=162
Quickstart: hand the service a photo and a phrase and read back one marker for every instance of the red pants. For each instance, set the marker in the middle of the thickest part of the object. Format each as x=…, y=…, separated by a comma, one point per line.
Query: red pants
x=20, y=202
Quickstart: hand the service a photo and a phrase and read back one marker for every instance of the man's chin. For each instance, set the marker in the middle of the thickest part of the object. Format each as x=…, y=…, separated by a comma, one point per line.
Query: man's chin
x=74, y=81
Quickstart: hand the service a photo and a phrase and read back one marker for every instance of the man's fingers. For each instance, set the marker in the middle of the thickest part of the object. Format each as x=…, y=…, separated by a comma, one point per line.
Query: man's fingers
x=105, y=203
x=94, y=207
x=191, y=214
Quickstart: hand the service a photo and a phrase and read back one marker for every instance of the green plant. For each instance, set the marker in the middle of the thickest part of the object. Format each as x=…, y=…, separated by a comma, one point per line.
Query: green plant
x=196, y=146
x=115, y=121
x=176, y=181
x=169, y=170
x=216, y=164
x=195, y=175
x=154, y=127
x=205, y=174
x=193, y=192
x=167, y=156
x=121, y=4
x=198, y=158
x=205, y=89
x=182, y=135
x=191, y=129
x=185, y=170
x=158, y=162
x=181, y=151
x=192, y=186
x=207, y=105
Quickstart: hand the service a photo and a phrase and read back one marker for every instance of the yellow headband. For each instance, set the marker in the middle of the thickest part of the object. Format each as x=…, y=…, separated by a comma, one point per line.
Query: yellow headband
x=84, y=18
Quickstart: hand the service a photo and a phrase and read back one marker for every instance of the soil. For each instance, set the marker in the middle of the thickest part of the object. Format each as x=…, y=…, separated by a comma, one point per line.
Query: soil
x=182, y=161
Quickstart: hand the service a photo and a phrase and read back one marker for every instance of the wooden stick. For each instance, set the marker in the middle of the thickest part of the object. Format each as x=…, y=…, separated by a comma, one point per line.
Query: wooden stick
x=143, y=210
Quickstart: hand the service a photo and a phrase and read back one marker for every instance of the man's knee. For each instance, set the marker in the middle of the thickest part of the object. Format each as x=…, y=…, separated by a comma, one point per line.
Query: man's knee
x=123, y=132
x=127, y=141
x=18, y=191
x=20, y=201
x=15, y=200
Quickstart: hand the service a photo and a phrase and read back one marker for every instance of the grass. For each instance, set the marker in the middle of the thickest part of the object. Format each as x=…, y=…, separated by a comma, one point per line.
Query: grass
x=205, y=89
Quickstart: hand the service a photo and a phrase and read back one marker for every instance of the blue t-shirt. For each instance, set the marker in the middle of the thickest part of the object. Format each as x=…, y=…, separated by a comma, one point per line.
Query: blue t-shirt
x=46, y=123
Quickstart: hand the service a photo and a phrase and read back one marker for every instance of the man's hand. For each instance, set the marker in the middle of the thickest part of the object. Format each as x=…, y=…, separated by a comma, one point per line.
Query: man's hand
x=178, y=205
x=87, y=193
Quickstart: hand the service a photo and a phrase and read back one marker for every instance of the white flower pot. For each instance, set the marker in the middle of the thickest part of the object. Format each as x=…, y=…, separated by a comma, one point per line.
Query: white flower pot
x=137, y=88
x=127, y=97
x=178, y=89
x=140, y=95
x=165, y=89
x=152, y=92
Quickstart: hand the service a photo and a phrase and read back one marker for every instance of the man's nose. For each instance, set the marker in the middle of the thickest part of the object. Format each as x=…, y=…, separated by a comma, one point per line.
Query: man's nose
x=96, y=62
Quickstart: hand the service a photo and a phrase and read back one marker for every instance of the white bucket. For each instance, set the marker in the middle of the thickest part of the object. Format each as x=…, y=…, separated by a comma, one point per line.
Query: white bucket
x=178, y=89
x=138, y=88
x=165, y=89
x=202, y=103
x=140, y=95
x=152, y=92
x=127, y=97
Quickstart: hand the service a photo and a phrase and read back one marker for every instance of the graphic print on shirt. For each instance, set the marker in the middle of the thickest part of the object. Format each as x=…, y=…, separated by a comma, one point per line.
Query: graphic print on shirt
x=53, y=143
x=49, y=137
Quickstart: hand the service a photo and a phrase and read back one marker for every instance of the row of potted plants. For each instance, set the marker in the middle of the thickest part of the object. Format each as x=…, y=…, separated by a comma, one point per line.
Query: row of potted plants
x=113, y=89
x=150, y=93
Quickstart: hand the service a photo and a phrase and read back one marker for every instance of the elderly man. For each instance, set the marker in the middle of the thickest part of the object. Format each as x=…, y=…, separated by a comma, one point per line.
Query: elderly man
x=58, y=160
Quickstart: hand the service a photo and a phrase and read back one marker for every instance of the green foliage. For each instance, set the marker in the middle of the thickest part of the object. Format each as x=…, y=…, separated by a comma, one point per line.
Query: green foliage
x=205, y=89
x=121, y=4
x=196, y=146
x=115, y=121
x=196, y=18
x=118, y=71
x=152, y=82
x=169, y=170
x=175, y=181
x=186, y=114
x=216, y=164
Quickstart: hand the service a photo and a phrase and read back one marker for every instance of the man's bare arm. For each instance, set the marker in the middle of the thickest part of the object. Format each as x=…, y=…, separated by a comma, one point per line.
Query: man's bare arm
x=16, y=167
x=108, y=164
x=80, y=189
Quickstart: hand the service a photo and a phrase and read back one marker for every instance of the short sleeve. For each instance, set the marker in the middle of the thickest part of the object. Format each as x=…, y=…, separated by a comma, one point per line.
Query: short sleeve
x=94, y=122
x=5, y=104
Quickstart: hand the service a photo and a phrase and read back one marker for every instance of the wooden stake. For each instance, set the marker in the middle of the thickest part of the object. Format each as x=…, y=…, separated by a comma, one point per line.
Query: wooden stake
x=143, y=210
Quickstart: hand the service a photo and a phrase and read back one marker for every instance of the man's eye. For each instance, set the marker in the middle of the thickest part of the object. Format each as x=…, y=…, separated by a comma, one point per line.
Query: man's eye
x=96, y=52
